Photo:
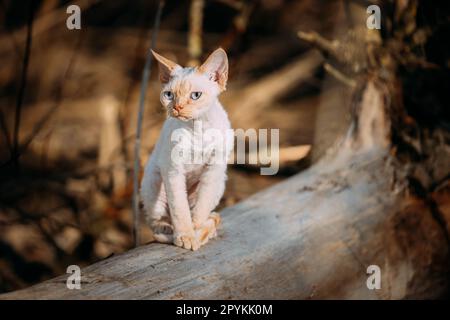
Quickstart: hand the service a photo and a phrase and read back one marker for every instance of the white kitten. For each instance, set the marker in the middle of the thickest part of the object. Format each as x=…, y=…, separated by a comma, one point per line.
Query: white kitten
x=179, y=196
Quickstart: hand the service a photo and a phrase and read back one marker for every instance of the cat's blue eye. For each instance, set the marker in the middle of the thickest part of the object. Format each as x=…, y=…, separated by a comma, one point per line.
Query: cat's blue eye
x=168, y=95
x=195, y=95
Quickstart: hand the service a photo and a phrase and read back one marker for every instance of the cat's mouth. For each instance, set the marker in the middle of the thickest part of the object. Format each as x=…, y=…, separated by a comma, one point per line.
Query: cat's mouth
x=183, y=118
x=179, y=116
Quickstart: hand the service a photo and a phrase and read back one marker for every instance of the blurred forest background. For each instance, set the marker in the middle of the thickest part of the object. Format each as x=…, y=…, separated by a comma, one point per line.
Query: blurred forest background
x=66, y=198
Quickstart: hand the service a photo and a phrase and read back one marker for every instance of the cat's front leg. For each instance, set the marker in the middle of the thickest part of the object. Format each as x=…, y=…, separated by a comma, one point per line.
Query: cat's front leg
x=183, y=230
x=210, y=189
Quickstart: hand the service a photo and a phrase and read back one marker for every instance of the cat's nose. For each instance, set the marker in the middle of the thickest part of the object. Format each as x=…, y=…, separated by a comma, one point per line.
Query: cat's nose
x=178, y=107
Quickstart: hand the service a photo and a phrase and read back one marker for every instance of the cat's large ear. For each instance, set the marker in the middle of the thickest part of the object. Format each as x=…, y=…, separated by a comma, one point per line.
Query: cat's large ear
x=166, y=67
x=216, y=68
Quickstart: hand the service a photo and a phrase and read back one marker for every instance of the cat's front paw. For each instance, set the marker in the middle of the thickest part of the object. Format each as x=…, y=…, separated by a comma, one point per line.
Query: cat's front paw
x=187, y=241
x=213, y=218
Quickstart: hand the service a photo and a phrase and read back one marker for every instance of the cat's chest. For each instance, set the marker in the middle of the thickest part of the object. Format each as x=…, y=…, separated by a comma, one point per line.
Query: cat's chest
x=198, y=138
x=192, y=145
x=193, y=172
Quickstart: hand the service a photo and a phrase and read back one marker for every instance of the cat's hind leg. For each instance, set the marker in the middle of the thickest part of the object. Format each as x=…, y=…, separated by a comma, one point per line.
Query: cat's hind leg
x=162, y=231
x=208, y=229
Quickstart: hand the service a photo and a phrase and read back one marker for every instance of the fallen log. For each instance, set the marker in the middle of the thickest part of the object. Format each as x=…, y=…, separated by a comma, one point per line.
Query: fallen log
x=312, y=236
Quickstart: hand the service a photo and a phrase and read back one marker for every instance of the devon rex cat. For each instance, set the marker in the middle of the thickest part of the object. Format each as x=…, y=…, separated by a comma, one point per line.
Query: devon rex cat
x=179, y=196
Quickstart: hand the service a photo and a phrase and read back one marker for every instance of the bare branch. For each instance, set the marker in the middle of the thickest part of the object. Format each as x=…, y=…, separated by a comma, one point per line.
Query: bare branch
x=23, y=83
x=137, y=150
x=326, y=46
x=58, y=98
x=339, y=75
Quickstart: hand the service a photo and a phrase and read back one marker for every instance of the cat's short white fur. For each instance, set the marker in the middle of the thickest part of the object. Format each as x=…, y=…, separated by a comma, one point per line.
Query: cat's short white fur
x=179, y=198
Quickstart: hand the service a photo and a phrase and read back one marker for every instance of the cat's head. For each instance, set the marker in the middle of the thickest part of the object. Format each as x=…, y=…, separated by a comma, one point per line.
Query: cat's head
x=187, y=93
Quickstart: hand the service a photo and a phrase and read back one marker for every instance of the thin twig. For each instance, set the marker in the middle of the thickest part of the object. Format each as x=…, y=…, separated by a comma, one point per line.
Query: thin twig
x=58, y=97
x=58, y=100
x=5, y=131
x=339, y=75
x=137, y=150
x=23, y=83
x=326, y=46
x=133, y=82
